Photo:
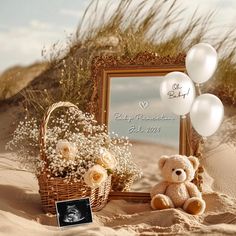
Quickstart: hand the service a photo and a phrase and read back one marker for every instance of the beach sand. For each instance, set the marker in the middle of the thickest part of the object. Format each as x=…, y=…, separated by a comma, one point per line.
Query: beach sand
x=21, y=213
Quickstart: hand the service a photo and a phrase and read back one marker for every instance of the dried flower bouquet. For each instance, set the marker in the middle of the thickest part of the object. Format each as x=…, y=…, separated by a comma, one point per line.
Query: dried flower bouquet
x=77, y=148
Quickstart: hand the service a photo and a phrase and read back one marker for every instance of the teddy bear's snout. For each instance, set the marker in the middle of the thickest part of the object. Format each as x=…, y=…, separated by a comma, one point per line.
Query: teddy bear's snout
x=179, y=175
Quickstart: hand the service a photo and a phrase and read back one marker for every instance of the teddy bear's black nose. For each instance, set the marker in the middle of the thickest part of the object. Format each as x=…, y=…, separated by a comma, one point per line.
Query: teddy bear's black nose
x=178, y=172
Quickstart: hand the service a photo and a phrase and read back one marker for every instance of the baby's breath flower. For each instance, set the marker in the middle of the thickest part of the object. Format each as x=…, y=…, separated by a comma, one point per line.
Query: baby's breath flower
x=83, y=141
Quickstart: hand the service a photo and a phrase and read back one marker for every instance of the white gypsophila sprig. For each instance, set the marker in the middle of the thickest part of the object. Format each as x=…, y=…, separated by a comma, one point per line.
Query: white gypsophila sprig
x=78, y=131
x=25, y=143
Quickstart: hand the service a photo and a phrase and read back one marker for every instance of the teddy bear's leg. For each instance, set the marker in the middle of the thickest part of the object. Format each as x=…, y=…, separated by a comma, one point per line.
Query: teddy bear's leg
x=194, y=206
x=161, y=201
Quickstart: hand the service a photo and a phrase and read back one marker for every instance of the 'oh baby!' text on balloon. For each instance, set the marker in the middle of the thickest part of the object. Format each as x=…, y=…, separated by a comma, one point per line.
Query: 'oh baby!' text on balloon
x=176, y=92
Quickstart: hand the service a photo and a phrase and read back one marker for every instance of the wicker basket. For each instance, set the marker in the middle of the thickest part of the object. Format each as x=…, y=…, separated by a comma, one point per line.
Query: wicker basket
x=56, y=189
x=122, y=183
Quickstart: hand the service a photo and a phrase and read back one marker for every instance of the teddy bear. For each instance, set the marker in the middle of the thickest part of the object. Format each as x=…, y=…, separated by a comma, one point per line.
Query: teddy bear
x=176, y=190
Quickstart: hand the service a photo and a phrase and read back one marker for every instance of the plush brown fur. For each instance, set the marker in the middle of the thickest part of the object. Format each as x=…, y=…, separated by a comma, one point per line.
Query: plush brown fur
x=176, y=190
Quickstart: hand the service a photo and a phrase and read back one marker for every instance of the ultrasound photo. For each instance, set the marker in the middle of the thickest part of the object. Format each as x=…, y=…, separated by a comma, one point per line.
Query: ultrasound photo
x=73, y=212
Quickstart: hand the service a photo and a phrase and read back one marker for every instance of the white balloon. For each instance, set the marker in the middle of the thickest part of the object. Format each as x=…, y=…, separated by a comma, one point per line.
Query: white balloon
x=177, y=92
x=201, y=62
x=207, y=114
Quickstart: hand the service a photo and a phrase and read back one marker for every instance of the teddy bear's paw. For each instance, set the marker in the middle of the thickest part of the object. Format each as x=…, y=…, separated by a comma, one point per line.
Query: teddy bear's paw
x=160, y=202
x=194, y=206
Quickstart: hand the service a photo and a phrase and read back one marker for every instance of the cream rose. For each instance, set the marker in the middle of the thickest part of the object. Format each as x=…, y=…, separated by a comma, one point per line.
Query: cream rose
x=66, y=149
x=106, y=159
x=95, y=176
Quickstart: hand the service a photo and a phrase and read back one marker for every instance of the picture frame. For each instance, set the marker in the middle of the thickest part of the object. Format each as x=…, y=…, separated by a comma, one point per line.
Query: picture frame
x=105, y=68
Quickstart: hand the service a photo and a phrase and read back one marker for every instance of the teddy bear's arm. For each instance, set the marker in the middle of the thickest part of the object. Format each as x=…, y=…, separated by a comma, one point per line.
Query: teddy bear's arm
x=193, y=190
x=159, y=189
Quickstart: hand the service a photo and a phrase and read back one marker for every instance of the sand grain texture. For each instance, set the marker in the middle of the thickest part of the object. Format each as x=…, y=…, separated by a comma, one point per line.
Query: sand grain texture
x=21, y=214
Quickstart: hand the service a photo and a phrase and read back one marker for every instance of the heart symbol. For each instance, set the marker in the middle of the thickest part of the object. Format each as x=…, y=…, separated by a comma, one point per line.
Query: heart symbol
x=144, y=104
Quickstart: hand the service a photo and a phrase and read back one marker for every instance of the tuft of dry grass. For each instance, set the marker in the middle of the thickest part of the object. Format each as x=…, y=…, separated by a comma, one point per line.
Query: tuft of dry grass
x=126, y=28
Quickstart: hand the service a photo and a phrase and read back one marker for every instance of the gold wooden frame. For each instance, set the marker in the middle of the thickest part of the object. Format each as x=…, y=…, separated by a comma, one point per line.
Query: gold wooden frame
x=104, y=67
x=149, y=64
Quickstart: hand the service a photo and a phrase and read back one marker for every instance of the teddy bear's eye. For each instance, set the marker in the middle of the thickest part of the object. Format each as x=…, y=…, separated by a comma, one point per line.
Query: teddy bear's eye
x=184, y=170
x=173, y=169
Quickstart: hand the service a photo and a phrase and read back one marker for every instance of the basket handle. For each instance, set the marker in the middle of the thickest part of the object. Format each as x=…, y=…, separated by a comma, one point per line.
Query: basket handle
x=43, y=127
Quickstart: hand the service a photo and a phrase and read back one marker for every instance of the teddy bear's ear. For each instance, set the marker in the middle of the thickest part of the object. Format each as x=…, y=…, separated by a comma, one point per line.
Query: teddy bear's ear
x=162, y=161
x=194, y=161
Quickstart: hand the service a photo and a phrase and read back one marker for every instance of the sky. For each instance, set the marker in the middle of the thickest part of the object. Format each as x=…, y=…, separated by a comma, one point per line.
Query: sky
x=27, y=26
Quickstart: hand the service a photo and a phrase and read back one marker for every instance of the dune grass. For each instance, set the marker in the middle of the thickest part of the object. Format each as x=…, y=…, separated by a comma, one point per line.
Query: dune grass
x=129, y=27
